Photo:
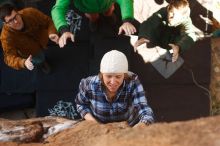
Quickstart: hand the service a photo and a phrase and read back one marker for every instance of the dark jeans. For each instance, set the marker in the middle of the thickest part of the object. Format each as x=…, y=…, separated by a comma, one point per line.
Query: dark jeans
x=38, y=59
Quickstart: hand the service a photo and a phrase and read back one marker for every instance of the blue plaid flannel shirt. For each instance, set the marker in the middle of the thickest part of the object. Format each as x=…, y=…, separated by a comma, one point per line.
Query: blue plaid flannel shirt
x=129, y=105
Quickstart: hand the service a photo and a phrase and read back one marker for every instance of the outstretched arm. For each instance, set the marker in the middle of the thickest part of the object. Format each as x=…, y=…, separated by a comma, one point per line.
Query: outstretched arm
x=127, y=13
x=140, y=42
x=58, y=13
x=187, y=37
x=140, y=106
x=28, y=63
x=176, y=50
x=127, y=9
x=83, y=103
x=11, y=57
x=89, y=117
x=127, y=28
x=64, y=38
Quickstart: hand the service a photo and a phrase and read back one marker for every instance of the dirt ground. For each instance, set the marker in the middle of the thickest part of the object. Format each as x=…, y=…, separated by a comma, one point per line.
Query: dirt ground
x=199, y=132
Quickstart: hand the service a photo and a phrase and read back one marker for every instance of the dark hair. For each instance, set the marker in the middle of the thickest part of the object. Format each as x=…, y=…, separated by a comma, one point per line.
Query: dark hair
x=6, y=9
x=178, y=3
x=183, y=4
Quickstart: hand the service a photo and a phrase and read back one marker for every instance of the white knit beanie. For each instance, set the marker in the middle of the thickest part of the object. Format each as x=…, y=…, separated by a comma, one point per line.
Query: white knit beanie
x=114, y=62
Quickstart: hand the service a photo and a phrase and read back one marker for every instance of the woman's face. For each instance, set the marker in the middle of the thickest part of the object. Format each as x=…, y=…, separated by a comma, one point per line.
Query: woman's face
x=113, y=81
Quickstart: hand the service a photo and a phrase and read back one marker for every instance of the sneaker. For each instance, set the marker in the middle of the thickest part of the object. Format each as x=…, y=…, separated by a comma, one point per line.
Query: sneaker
x=45, y=68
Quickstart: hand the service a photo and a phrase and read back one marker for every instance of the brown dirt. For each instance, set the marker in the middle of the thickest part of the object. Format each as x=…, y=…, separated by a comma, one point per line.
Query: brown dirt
x=200, y=132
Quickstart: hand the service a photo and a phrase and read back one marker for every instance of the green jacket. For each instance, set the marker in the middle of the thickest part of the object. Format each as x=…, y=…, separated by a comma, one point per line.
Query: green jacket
x=157, y=30
x=59, y=10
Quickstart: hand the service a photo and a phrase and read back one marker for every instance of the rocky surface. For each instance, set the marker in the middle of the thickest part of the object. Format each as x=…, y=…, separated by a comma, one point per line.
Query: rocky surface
x=199, y=132
x=32, y=130
x=215, y=69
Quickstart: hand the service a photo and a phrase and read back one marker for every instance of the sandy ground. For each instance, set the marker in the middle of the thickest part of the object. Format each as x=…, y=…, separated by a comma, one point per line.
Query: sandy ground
x=199, y=132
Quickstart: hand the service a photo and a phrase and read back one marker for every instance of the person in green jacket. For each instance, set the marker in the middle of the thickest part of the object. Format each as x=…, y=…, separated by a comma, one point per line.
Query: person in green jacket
x=169, y=28
x=92, y=10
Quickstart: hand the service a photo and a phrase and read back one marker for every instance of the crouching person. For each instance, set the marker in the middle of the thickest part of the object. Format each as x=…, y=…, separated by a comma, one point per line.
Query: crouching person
x=114, y=95
x=24, y=37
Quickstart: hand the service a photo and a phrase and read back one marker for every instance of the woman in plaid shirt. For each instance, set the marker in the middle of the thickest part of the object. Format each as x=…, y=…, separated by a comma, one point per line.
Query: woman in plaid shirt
x=114, y=95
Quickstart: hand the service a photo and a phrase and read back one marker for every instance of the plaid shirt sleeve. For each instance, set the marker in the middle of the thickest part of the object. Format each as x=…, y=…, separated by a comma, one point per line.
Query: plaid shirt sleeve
x=82, y=101
x=140, y=103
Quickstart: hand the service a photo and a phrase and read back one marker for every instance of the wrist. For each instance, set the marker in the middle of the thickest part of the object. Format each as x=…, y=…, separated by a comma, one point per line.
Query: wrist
x=64, y=29
x=24, y=63
x=130, y=20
